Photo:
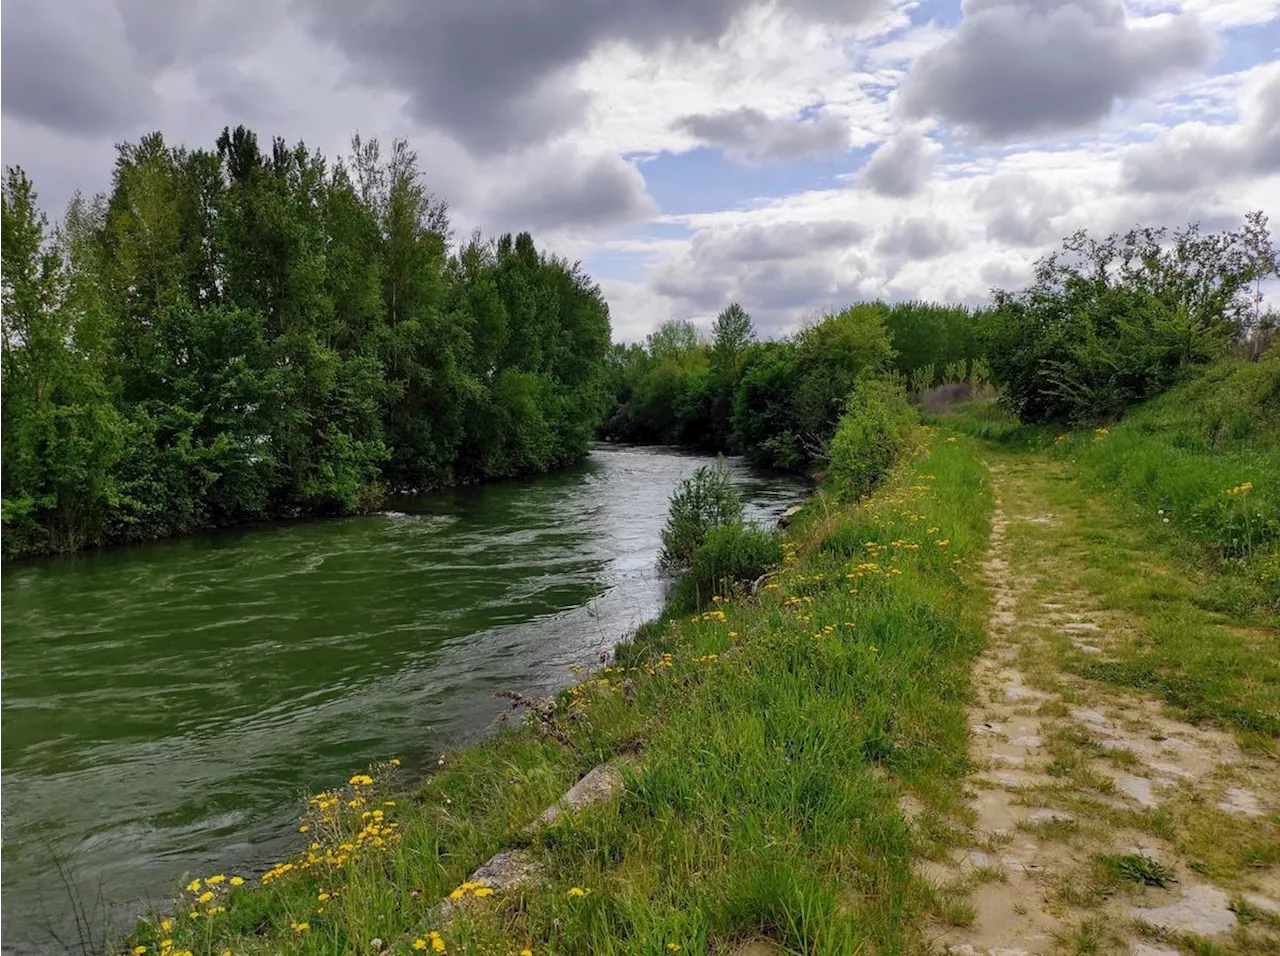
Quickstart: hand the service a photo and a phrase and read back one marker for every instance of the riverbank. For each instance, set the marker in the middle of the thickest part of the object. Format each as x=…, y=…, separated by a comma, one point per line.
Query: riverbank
x=778, y=736
x=167, y=706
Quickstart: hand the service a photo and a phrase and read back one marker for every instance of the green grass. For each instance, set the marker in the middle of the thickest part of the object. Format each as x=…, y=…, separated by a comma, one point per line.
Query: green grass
x=777, y=736
x=1201, y=465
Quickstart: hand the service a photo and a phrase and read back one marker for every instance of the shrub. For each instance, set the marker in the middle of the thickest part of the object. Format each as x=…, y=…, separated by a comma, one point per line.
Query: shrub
x=703, y=501
x=730, y=555
x=869, y=439
x=1108, y=323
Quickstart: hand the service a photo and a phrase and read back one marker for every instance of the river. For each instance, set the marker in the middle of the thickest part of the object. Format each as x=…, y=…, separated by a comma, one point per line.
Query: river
x=166, y=707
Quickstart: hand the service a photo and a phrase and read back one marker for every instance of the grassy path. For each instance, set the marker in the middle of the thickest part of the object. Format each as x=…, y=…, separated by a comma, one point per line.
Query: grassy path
x=1128, y=793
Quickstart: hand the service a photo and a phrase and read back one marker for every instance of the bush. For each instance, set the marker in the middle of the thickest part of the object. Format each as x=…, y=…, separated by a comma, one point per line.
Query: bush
x=731, y=554
x=703, y=501
x=869, y=439
x=1109, y=323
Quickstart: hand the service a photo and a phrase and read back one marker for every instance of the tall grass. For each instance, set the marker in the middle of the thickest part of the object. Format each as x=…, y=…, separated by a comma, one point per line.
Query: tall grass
x=777, y=735
x=1202, y=462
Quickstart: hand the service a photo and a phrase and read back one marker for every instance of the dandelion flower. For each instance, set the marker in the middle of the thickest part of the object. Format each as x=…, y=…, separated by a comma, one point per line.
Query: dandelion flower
x=526, y=952
x=419, y=944
x=437, y=944
x=483, y=892
x=206, y=896
x=577, y=891
x=139, y=950
x=193, y=886
x=299, y=927
x=673, y=947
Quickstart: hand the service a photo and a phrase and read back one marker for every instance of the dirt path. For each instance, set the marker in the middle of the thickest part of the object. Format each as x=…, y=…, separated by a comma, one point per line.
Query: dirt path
x=1100, y=822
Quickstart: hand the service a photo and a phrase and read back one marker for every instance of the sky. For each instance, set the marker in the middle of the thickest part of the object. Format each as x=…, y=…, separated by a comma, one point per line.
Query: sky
x=791, y=156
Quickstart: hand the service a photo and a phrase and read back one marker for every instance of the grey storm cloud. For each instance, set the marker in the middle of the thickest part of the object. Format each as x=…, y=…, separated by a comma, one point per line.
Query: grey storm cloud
x=570, y=190
x=747, y=134
x=1187, y=159
x=1016, y=67
x=493, y=73
x=916, y=237
x=901, y=166
x=70, y=69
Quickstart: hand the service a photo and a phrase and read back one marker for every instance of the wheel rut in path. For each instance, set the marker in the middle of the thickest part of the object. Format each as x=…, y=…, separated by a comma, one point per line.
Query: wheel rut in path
x=1089, y=803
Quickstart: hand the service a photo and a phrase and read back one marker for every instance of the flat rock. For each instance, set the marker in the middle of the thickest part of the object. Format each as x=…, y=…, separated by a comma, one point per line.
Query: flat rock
x=1264, y=903
x=1093, y=719
x=1139, y=789
x=1049, y=815
x=1030, y=741
x=1146, y=949
x=1241, y=802
x=1204, y=910
x=1084, y=648
x=600, y=783
x=1077, y=627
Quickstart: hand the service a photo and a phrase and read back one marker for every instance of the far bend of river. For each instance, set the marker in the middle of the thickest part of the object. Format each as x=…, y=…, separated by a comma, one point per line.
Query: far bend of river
x=166, y=707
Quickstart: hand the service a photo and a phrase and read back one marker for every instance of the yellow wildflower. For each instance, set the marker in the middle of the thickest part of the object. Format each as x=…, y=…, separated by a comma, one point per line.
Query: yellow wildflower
x=483, y=892
x=673, y=947
x=322, y=897
x=215, y=880
x=437, y=944
x=193, y=886
x=361, y=779
x=237, y=881
x=206, y=896
x=419, y=944
x=299, y=927
x=577, y=891
x=166, y=925
x=526, y=952
x=139, y=950
x=395, y=761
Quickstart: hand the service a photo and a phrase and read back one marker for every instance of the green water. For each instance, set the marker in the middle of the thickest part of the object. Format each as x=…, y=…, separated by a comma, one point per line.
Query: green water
x=165, y=707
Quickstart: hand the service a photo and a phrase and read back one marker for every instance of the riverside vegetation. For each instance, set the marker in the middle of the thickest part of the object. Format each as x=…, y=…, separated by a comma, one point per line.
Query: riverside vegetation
x=243, y=333
x=799, y=718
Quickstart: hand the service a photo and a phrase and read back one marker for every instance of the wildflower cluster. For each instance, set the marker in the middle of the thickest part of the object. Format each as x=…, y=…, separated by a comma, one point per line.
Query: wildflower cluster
x=476, y=888
x=433, y=941
x=1242, y=489
x=347, y=824
x=1100, y=434
x=207, y=898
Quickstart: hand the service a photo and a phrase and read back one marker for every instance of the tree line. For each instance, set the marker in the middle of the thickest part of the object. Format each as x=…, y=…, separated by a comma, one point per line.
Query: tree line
x=778, y=401
x=241, y=333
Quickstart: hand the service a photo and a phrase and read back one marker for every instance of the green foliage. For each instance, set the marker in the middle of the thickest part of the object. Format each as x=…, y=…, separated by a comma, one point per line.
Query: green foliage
x=870, y=439
x=776, y=402
x=931, y=334
x=1142, y=870
x=729, y=556
x=1108, y=323
x=705, y=500
x=239, y=334
x=1202, y=462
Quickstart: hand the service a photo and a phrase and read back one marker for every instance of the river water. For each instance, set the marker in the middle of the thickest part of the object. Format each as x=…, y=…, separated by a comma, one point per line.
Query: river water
x=166, y=707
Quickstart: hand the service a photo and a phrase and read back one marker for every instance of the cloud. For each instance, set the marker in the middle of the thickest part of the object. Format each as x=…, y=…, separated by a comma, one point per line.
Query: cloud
x=71, y=70
x=1018, y=67
x=1195, y=155
x=901, y=166
x=560, y=188
x=748, y=135
x=1020, y=209
x=497, y=74
x=757, y=242
x=916, y=237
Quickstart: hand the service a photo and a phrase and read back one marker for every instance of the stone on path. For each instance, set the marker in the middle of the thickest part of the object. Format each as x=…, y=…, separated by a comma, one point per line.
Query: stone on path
x=1241, y=802
x=1138, y=788
x=1204, y=910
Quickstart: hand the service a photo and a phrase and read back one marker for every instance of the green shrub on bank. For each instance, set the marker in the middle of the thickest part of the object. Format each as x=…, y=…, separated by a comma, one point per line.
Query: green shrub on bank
x=869, y=439
x=730, y=555
x=1111, y=322
x=703, y=501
